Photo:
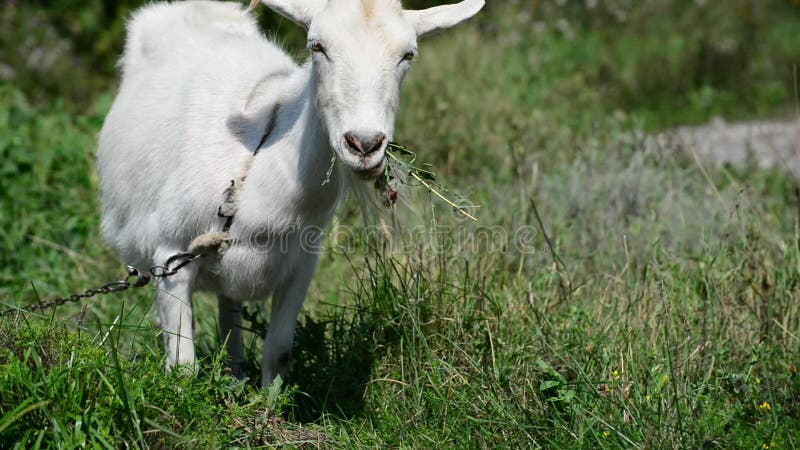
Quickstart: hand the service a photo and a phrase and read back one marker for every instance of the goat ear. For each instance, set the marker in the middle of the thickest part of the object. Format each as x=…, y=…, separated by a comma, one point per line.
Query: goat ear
x=432, y=20
x=298, y=11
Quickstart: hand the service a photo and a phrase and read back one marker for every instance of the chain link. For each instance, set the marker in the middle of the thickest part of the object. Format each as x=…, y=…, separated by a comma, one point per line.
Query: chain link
x=134, y=279
x=167, y=270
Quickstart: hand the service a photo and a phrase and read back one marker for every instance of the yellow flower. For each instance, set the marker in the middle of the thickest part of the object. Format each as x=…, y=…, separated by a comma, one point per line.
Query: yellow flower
x=615, y=374
x=606, y=434
x=765, y=447
x=765, y=406
x=664, y=379
x=647, y=397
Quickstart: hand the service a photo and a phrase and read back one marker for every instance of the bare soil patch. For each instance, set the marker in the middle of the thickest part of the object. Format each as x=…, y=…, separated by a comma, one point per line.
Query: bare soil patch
x=765, y=144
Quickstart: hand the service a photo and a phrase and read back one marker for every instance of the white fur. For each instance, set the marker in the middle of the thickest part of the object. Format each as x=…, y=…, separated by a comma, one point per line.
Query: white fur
x=200, y=85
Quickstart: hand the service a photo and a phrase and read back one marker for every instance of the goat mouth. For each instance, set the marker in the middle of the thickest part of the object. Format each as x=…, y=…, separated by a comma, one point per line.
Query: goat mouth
x=370, y=173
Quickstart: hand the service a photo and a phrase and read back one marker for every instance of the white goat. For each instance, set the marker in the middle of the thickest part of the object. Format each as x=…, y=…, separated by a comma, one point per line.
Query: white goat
x=205, y=99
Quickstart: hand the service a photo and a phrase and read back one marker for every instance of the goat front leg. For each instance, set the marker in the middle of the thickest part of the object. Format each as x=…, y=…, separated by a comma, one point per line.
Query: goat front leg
x=286, y=302
x=230, y=325
x=174, y=300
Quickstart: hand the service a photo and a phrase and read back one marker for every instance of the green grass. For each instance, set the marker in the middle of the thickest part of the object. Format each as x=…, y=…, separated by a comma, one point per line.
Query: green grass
x=72, y=390
x=664, y=315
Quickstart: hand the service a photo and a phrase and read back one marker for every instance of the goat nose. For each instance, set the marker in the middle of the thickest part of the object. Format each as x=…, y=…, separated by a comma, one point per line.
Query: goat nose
x=364, y=144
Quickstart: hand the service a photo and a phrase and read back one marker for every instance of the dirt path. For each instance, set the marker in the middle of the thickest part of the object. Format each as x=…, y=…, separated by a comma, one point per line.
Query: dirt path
x=762, y=143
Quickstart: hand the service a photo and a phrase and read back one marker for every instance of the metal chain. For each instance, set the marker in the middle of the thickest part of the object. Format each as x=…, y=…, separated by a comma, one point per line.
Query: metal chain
x=134, y=279
x=176, y=262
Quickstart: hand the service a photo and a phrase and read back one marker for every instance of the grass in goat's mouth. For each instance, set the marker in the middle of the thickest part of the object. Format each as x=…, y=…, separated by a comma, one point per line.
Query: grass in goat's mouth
x=401, y=169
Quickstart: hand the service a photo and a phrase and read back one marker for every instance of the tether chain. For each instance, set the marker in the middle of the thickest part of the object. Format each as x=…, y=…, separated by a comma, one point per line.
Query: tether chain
x=135, y=279
x=202, y=245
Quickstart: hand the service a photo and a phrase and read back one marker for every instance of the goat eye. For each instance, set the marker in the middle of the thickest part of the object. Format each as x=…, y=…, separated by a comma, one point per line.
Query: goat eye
x=408, y=56
x=317, y=48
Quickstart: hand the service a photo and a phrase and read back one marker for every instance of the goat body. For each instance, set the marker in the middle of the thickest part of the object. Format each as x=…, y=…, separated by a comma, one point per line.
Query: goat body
x=205, y=99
